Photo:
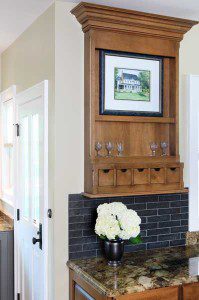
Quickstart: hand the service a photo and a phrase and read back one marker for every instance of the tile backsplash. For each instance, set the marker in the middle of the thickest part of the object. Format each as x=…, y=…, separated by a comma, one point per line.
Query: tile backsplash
x=164, y=222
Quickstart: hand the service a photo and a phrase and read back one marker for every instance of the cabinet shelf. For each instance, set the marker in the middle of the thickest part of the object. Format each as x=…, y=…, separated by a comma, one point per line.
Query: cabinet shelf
x=133, y=119
x=136, y=159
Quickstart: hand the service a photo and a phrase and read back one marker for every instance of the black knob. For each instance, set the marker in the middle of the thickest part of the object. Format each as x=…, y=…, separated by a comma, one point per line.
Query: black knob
x=34, y=240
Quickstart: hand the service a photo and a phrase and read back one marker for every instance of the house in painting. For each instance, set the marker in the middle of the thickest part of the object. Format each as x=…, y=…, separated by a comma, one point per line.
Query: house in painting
x=128, y=82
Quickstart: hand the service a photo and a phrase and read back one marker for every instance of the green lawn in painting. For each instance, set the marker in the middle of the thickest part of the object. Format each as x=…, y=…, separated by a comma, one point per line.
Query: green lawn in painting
x=132, y=96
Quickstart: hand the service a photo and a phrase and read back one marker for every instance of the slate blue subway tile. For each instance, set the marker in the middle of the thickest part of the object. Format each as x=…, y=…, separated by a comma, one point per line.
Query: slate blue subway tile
x=158, y=218
x=89, y=232
x=169, y=224
x=91, y=246
x=158, y=231
x=158, y=205
x=150, y=239
x=184, y=209
x=168, y=211
x=75, y=233
x=137, y=207
x=184, y=196
x=180, y=216
x=75, y=204
x=149, y=226
x=179, y=203
x=148, y=212
x=144, y=199
x=179, y=229
x=184, y=222
x=158, y=245
x=169, y=237
x=82, y=240
x=170, y=197
x=76, y=219
x=131, y=248
x=75, y=248
x=181, y=242
x=84, y=254
x=83, y=225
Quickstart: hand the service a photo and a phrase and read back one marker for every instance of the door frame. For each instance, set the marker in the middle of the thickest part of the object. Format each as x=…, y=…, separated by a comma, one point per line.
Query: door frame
x=40, y=89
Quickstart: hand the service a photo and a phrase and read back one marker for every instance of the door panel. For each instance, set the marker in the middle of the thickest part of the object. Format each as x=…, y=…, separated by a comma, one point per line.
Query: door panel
x=30, y=194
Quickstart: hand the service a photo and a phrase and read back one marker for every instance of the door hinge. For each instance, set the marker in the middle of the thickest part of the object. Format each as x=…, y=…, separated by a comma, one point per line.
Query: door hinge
x=18, y=296
x=17, y=126
x=18, y=214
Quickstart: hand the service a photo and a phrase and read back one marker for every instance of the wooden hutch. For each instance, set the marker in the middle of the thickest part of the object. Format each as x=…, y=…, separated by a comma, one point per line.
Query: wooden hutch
x=136, y=172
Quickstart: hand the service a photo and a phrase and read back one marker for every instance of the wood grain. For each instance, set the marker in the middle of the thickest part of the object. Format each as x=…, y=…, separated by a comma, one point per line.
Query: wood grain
x=136, y=32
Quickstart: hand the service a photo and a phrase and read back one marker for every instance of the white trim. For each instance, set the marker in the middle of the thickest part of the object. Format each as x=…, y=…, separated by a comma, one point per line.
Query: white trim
x=39, y=89
x=9, y=94
x=193, y=150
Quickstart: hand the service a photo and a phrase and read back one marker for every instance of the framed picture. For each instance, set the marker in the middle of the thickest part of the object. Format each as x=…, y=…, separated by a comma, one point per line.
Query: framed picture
x=130, y=84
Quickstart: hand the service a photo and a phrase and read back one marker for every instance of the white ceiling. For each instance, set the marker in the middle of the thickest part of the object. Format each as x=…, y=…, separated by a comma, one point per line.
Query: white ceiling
x=177, y=8
x=17, y=15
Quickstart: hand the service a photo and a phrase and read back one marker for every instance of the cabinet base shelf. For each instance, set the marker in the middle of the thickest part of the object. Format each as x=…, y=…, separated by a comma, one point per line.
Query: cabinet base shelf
x=87, y=195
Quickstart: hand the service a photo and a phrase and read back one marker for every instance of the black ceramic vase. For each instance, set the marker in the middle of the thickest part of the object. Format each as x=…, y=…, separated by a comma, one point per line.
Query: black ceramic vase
x=114, y=251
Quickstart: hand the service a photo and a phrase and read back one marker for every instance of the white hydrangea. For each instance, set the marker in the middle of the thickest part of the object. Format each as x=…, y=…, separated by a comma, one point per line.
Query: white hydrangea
x=129, y=233
x=115, y=208
x=107, y=226
x=115, y=220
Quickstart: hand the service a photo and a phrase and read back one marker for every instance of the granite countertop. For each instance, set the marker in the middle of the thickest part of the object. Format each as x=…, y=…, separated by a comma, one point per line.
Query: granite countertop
x=141, y=271
x=6, y=223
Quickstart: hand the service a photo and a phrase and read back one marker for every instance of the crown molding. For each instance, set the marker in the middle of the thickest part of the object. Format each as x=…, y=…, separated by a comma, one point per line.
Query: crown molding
x=92, y=16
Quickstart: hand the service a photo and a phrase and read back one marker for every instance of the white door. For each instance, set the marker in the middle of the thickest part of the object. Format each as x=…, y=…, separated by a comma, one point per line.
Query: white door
x=32, y=196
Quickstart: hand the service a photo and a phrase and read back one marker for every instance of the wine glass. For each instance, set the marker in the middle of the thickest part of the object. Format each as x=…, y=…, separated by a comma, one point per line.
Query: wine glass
x=109, y=147
x=154, y=147
x=98, y=147
x=164, y=146
x=120, y=148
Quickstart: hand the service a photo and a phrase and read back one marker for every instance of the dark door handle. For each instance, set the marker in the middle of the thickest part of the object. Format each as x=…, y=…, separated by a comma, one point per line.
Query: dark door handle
x=39, y=240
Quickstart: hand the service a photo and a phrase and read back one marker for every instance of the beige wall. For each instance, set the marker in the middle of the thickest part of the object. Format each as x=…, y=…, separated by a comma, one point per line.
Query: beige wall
x=189, y=64
x=69, y=132
x=28, y=61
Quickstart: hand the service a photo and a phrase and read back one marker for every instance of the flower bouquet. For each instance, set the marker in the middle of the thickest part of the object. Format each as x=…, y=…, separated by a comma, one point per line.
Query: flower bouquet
x=115, y=224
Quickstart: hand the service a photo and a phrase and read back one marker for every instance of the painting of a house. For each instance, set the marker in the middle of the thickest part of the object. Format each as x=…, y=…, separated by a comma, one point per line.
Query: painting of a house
x=128, y=82
x=132, y=85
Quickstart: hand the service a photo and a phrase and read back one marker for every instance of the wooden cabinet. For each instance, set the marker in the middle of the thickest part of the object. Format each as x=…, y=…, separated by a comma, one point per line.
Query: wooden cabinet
x=124, y=177
x=108, y=28
x=190, y=292
x=81, y=290
x=158, y=175
x=106, y=177
x=141, y=176
x=173, y=175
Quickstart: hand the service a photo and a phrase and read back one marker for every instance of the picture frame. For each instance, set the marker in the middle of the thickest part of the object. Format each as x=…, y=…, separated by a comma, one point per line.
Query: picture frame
x=130, y=84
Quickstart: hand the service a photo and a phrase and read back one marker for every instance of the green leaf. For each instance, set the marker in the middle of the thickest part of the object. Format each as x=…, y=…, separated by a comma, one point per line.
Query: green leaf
x=136, y=240
x=103, y=237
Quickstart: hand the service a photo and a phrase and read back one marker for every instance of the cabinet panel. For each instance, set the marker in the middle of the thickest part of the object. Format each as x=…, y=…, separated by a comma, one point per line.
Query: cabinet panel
x=124, y=177
x=81, y=294
x=191, y=292
x=106, y=177
x=170, y=293
x=141, y=176
x=173, y=175
x=157, y=175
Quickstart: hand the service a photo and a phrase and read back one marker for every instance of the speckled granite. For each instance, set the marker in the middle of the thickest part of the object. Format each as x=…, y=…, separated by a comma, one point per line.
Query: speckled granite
x=6, y=223
x=141, y=271
x=192, y=238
